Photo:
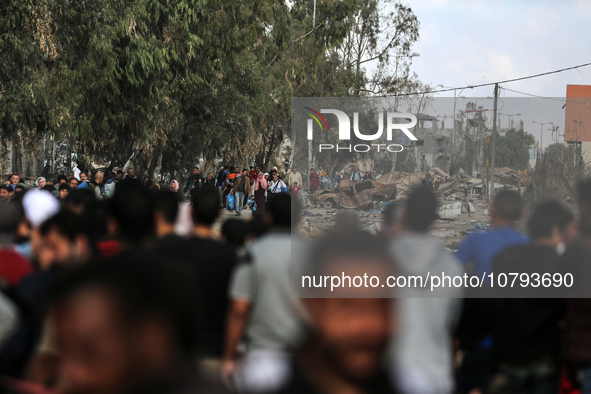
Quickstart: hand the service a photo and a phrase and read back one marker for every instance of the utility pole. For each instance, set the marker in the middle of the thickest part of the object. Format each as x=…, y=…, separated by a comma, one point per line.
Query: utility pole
x=453, y=136
x=542, y=133
x=487, y=166
x=492, y=143
x=314, y=17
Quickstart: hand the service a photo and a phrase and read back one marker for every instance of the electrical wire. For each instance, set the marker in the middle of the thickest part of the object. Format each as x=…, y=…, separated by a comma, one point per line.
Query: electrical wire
x=563, y=100
x=489, y=83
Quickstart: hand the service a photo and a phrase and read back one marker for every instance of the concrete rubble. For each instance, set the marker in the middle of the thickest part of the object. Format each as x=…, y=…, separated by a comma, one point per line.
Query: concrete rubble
x=462, y=210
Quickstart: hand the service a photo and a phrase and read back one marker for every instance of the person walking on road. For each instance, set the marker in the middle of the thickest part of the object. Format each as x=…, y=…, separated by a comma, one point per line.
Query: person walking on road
x=258, y=192
x=241, y=189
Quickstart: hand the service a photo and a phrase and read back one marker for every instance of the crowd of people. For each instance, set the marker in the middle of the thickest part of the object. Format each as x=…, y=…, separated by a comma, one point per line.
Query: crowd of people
x=118, y=287
x=253, y=189
x=430, y=181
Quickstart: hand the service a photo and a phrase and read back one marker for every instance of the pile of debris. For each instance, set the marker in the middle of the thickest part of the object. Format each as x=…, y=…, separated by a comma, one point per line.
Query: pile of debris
x=317, y=221
x=508, y=176
x=404, y=182
x=457, y=195
x=449, y=190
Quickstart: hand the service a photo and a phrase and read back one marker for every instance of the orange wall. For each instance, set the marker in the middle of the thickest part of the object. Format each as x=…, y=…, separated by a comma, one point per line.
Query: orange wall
x=577, y=123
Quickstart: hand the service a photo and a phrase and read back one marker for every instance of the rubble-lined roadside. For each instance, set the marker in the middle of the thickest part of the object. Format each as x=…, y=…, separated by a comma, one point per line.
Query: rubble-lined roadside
x=317, y=221
x=463, y=207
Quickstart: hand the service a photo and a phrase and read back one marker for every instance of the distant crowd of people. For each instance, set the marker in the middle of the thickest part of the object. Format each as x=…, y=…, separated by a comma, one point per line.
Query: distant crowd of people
x=433, y=182
x=128, y=289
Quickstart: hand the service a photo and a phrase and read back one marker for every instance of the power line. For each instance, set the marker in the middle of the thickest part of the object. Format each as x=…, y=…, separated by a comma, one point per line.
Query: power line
x=490, y=83
x=533, y=95
x=563, y=100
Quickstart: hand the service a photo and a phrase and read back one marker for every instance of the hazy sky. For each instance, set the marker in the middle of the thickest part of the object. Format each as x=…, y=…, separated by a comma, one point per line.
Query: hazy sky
x=470, y=42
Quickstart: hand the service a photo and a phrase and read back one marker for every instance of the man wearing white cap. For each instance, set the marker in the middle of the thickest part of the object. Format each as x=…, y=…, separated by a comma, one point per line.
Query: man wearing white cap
x=39, y=205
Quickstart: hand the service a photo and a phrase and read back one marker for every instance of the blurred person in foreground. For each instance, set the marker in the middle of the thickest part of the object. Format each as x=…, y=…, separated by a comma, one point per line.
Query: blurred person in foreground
x=34, y=208
x=212, y=264
x=131, y=217
x=263, y=307
x=127, y=326
x=392, y=220
x=478, y=249
x=19, y=190
x=166, y=209
x=346, y=221
x=421, y=356
x=6, y=193
x=577, y=338
x=527, y=331
x=476, y=252
x=235, y=233
x=82, y=202
x=348, y=328
x=63, y=244
x=13, y=266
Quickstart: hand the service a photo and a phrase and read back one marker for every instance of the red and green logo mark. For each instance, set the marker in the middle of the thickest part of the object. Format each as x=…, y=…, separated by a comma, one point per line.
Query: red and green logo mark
x=317, y=117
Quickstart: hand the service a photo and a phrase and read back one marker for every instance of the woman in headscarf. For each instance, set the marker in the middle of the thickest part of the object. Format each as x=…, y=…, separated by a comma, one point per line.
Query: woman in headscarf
x=174, y=186
x=258, y=192
x=40, y=182
x=43, y=185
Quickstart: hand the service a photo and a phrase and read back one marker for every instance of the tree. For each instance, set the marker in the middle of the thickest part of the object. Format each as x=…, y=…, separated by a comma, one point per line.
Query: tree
x=472, y=135
x=561, y=153
x=25, y=55
x=163, y=84
x=379, y=37
x=512, y=150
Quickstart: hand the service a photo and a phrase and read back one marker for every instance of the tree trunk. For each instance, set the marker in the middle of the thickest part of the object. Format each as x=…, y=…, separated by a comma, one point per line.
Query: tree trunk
x=393, y=170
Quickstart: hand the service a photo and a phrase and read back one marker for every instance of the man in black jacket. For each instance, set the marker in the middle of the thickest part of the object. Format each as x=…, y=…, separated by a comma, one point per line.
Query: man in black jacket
x=194, y=181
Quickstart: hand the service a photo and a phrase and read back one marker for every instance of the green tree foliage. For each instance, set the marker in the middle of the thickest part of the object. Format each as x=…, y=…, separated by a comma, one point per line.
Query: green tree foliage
x=561, y=153
x=170, y=82
x=24, y=101
x=512, y=150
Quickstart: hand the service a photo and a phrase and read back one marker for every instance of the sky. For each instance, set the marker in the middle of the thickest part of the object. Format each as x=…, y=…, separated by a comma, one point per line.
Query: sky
x=472, y=42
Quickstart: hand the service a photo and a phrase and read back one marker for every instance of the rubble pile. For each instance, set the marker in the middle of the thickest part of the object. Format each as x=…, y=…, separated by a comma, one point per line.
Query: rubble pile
x=449, y=190
x=404, y=182
x=462, y=210
x=317, y=221
x=508, y=176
